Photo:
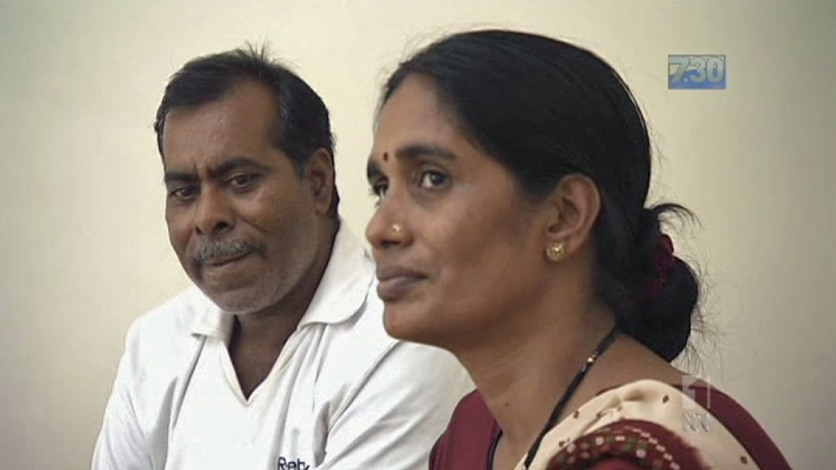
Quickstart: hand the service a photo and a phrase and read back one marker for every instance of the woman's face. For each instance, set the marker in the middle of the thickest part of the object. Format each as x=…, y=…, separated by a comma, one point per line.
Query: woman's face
x=459, y=248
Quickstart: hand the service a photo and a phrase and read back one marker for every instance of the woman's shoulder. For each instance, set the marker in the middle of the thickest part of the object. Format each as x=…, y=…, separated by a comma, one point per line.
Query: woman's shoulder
x=468, y=438
x=653, y=424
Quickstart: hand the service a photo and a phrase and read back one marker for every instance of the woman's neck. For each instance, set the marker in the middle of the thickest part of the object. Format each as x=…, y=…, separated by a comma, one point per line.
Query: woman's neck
x=524, y=375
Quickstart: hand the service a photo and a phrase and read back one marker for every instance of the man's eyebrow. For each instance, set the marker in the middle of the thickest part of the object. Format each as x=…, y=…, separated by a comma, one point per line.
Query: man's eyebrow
x=179, y=177
x=236, y=163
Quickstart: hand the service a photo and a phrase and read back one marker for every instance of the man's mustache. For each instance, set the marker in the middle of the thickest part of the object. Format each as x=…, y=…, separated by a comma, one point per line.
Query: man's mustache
x=223, y=249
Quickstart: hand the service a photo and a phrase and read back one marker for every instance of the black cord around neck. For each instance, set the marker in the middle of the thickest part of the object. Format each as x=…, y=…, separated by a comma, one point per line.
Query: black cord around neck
x=561, y=403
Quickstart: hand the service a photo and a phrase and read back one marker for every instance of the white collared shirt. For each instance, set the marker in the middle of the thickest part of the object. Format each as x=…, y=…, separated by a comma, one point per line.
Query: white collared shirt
x=341, y=395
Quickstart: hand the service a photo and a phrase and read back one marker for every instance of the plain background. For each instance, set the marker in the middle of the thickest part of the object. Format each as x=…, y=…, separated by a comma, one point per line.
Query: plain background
x=84, y=249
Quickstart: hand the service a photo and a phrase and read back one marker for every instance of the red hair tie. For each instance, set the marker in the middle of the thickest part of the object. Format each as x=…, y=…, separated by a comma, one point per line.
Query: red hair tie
x=663, y=262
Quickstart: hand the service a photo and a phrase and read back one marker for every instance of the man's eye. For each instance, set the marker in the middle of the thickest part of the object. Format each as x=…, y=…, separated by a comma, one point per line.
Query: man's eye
x=431, y=179
x=241, y=181
x=185, y=193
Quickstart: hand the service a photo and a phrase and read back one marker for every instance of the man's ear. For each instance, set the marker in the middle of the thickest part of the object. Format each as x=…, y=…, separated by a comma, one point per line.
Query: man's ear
x=319, y=173
x=574, y=205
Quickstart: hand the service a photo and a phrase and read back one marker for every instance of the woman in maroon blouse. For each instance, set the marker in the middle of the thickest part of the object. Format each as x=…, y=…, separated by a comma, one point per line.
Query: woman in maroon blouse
x=512, y=229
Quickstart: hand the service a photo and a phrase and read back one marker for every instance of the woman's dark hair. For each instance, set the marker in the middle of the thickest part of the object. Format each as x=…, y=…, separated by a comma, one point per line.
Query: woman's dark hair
x=545, y=109
x=301, y=125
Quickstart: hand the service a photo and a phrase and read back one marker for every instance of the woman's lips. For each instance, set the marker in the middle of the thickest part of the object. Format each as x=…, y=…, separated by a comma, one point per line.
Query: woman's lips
x=395, y=282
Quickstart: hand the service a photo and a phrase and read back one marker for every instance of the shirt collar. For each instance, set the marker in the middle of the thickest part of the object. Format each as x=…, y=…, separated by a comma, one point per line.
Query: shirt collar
x=341, y=293
x=344, y=286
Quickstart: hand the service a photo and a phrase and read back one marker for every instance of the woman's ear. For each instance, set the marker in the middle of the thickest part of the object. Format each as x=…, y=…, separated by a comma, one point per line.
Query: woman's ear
x=574, y=206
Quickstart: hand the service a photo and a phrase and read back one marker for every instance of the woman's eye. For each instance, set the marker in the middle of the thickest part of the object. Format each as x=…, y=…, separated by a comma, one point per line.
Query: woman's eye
x=379, y=189
x=431, y=179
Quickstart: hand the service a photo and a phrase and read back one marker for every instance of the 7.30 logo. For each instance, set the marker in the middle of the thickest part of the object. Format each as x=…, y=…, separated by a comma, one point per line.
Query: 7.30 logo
x=696, y=72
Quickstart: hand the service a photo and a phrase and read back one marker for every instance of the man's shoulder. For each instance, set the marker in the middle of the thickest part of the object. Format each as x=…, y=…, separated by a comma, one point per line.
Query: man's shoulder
x=360, y=338
x=170, y=323
x=176, y=313
x=346, y=307
x=361, y=350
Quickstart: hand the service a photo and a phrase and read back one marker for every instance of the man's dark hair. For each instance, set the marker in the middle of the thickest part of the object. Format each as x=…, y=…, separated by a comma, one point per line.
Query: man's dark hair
x=301, y=126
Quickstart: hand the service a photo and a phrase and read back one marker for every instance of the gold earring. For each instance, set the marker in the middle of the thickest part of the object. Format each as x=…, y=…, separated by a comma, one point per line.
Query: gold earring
x=397, y=228
x=555, y=251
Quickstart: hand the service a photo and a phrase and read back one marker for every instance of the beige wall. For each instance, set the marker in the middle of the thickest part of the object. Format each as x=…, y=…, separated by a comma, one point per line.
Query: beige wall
x=83, y=249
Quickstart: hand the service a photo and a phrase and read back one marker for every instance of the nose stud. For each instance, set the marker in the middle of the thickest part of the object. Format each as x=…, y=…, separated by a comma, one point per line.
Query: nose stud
x=397, y=228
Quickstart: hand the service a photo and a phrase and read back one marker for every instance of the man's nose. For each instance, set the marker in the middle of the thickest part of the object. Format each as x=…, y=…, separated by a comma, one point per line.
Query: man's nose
x=213, y=213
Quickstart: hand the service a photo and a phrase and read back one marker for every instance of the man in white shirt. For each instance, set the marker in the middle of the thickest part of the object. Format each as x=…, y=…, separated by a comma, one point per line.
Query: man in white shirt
x=277, y=358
